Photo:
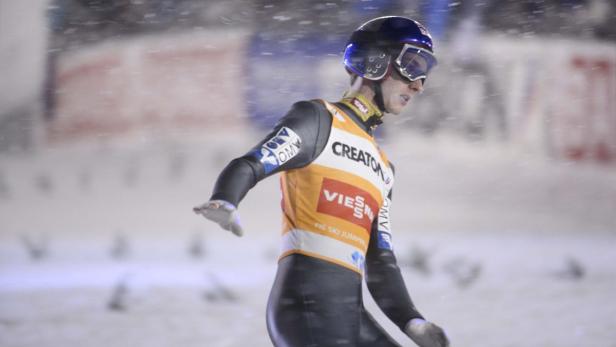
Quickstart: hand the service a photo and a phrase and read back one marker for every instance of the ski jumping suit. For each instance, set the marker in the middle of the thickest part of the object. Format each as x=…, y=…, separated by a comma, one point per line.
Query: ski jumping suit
x=336, y=187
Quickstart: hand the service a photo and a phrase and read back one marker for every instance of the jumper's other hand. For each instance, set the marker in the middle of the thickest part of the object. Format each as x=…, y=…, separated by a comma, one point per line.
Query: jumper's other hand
x=426, y=334
x=223, y=213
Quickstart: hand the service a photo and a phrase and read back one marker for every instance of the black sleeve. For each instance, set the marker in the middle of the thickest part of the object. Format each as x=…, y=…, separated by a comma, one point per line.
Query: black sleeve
x=383, y=276
x=296, y=140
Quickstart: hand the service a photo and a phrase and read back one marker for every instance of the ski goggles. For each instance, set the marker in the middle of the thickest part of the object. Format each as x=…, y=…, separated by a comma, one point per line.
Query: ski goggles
x=414, y=62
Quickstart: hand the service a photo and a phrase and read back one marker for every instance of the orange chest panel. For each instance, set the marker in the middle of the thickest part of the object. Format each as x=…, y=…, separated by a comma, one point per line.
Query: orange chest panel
x=339, y=195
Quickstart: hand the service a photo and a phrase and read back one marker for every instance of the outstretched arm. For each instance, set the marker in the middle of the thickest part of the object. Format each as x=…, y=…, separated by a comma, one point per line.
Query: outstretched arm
x=294, y=142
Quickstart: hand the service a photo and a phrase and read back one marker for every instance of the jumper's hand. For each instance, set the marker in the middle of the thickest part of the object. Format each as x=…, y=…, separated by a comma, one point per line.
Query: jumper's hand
x=223, y=213
x=426, y=334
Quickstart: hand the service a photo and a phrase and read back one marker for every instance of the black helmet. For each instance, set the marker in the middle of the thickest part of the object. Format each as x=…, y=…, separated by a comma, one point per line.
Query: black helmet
x=391, y=40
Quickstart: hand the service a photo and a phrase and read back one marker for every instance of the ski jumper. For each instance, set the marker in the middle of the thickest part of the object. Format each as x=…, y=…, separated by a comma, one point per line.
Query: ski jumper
x=336, y=194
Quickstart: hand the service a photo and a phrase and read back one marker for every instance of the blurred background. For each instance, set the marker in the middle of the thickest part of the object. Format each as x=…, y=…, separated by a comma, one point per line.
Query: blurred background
x=117, y=116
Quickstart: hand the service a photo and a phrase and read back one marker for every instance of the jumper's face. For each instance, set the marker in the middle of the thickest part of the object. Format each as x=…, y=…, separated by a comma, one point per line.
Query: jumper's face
x=398, y=91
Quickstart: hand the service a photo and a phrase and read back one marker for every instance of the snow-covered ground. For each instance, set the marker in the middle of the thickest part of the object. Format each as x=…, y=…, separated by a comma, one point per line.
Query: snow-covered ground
x=500, y=247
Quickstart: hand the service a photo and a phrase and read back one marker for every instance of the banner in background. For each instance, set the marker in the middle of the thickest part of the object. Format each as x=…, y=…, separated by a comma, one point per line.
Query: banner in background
x=560, y=96
x=162, y=83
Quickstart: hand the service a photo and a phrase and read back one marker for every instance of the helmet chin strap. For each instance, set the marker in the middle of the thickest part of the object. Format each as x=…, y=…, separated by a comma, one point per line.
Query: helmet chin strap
x=355, y=86
x=378, y=96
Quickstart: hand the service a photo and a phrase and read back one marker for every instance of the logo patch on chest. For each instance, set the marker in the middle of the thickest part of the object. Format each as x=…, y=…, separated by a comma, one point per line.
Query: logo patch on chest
x=360, y=106
x=347, y=202
x=362, y=158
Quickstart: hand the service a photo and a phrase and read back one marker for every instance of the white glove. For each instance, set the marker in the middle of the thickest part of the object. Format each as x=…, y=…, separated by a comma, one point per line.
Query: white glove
x=426, y=334
x=223, y=213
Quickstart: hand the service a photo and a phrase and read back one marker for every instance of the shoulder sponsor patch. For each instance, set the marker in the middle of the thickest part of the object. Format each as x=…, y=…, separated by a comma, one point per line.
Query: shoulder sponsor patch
x=279, y=149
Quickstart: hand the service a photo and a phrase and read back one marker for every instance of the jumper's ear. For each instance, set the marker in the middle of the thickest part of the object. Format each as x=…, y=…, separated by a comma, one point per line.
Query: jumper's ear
x=369, y=61
x=377, y=64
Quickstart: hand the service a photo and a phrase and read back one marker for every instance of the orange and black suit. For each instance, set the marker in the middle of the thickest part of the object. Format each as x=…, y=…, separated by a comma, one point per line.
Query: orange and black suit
x=337, y=189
